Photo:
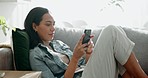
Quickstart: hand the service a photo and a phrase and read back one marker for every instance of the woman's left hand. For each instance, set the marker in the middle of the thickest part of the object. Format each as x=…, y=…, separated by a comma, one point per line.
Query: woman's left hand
x=90, y=47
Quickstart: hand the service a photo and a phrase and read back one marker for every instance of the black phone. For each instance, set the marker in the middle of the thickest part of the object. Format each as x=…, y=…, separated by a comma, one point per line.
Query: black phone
x=87, y=36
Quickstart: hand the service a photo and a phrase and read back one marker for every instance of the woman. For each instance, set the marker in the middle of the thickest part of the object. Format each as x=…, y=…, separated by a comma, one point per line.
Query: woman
x=112, y=53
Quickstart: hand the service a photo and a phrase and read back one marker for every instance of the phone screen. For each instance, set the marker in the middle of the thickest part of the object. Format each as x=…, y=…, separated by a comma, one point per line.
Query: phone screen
x=87, y=36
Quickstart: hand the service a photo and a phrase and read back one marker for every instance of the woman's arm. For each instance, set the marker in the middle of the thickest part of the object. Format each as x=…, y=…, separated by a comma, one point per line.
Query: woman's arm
x=71, y=68
x=89, y=49
x=87, y=57
x=77, y=54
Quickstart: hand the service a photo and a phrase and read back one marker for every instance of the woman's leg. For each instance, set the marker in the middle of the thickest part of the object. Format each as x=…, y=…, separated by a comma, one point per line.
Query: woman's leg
x=134, y=68
x=111, y=48
x=127, y=75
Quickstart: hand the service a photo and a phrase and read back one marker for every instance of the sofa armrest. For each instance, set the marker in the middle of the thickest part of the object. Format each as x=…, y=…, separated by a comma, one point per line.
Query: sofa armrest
x=6, y=59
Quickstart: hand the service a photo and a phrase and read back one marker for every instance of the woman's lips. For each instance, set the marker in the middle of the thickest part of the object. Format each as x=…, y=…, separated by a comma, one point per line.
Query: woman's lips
x=51, y=34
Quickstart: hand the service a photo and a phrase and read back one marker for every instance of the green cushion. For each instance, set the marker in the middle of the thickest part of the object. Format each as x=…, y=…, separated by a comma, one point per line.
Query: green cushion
x=21, y=49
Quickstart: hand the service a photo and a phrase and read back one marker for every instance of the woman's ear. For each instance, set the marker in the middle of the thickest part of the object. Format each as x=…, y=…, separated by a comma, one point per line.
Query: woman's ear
x=34, y=27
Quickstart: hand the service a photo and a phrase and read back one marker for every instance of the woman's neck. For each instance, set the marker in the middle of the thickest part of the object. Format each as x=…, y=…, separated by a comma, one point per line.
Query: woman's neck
x=46, y=43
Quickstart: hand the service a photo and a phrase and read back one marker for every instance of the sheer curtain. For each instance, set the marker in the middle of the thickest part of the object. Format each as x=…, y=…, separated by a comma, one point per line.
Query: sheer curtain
x=134, y=13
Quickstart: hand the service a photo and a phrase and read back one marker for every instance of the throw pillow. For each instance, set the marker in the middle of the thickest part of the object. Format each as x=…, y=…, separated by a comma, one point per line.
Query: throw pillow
x=21, y=49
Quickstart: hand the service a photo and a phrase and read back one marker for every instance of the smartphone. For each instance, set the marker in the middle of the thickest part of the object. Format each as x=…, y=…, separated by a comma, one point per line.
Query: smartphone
x=86, y=38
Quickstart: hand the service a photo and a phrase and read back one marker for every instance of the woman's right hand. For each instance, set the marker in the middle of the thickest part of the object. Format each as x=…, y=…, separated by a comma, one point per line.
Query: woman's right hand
x=78, y=52
x=79, y=49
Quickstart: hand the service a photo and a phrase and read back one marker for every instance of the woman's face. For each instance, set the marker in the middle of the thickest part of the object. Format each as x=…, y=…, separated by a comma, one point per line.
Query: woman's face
x=46, y=28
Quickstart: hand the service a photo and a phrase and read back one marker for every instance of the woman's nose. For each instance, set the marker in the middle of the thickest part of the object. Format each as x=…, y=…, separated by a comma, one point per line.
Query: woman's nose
x=53, y=28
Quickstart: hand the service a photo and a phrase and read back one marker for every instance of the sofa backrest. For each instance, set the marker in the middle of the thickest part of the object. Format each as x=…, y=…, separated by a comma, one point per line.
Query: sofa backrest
x=70, y=36
x=140, y=38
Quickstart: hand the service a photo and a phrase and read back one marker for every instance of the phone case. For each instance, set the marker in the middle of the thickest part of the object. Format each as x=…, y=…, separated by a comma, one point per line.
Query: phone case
x=87, y=36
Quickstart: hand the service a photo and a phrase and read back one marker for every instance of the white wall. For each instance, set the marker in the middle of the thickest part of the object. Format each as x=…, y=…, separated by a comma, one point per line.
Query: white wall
x=14, y=12
x=135, y=11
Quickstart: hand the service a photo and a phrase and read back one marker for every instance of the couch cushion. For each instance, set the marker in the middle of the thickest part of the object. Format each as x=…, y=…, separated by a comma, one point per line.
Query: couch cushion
x=21, y=49
x=140, y=38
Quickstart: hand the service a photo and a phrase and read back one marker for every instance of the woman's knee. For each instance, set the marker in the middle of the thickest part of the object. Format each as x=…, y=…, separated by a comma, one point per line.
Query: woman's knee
x=113, y=29
x=109, y=29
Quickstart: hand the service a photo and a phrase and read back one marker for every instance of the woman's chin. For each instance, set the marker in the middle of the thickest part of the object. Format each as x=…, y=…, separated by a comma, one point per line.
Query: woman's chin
x=51, y=39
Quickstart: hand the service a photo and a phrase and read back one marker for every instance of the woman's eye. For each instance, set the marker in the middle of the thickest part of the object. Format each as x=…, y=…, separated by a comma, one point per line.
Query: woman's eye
x=48, y=24
x=54, y=23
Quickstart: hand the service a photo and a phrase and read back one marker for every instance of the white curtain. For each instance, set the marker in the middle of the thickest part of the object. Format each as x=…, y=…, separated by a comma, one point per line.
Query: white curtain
x=134, y=13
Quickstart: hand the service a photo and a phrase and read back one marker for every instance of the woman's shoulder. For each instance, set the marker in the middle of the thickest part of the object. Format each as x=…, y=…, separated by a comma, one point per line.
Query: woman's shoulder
x=36, y=50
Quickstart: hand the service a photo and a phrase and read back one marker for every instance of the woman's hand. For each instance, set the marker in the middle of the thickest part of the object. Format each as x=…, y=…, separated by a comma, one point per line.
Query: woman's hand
x=79, y=49
x=90, y=47
x=78, y=53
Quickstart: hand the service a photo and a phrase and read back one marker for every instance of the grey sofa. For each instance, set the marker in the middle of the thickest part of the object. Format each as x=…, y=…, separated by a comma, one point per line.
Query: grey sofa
x=6, y=59
x=71, y=35
x=140, y=37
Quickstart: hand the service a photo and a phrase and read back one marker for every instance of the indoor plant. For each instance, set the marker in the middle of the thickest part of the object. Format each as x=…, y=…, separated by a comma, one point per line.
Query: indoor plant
x=5, y=30
x=3, y=25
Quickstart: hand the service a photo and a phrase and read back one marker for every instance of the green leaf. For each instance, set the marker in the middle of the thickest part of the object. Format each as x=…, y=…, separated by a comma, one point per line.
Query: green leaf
x=3, y=24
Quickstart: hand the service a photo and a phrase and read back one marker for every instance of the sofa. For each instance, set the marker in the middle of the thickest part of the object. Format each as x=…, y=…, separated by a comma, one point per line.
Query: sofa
x=71, y=35
x=6, y=59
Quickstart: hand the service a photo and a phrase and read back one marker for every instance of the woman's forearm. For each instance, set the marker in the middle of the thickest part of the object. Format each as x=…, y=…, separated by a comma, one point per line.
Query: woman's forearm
x=71, y=68
x=87, y=57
